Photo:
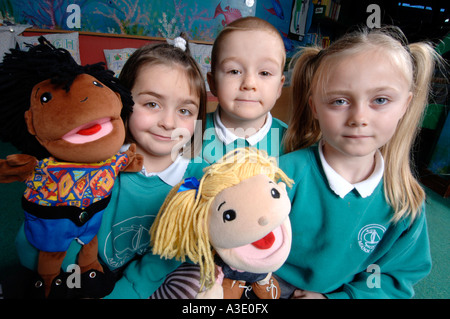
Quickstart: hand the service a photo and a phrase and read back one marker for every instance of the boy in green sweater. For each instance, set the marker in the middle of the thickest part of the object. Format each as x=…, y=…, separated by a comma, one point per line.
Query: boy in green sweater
x=247, y=63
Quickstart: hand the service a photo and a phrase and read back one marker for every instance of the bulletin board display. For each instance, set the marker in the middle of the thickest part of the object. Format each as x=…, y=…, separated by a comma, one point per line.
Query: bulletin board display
x=202, y=20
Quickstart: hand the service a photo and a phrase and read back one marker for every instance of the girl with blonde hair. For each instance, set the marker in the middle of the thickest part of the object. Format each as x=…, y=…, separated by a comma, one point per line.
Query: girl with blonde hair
x=358, y=212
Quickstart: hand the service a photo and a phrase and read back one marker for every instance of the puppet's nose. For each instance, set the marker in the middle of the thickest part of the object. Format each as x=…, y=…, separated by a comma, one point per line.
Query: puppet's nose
x=263, y=221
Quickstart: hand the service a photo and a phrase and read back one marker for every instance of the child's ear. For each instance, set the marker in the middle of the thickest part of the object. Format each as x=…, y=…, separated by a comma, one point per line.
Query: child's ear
x=211, y=82
x=280, y=89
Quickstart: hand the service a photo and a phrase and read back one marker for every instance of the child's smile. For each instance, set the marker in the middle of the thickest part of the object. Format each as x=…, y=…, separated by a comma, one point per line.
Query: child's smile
x=160, y=118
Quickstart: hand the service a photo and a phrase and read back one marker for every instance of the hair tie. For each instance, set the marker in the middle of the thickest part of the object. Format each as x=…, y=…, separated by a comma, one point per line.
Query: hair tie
x=178, y=42
x=189, y=183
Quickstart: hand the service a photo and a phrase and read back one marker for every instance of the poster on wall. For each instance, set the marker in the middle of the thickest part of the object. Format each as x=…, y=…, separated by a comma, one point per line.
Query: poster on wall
x=278, y=13
x=299, y=16
x=202, y=20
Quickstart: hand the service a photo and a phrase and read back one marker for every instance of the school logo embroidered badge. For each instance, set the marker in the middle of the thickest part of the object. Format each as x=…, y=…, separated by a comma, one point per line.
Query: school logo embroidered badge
x=369, y=236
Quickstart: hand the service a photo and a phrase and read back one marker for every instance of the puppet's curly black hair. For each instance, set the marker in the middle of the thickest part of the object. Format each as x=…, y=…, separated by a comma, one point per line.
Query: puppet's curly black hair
x=20, y=71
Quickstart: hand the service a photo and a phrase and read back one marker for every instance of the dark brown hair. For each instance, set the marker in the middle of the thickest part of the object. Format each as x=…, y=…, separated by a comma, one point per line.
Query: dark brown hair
x=167, y=54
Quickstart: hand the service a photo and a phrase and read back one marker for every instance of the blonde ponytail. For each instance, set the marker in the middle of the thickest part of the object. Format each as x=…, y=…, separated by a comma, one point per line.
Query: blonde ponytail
x=303, y=128
x=416, y=61
x=402, y=190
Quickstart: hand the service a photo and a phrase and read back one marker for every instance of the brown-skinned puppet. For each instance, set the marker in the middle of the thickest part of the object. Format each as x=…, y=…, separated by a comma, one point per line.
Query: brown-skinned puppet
x=66, y=120
x=233, y=222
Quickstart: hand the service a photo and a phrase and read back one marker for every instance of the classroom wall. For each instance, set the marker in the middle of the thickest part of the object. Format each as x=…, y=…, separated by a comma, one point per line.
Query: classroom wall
x=91, y=45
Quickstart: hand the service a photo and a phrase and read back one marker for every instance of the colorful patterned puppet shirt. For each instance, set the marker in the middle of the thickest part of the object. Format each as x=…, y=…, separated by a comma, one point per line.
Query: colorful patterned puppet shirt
x=65, y=201
x=56, y=183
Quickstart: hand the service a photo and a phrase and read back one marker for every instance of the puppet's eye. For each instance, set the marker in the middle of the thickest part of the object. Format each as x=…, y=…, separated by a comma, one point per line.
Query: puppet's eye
x=275, y=193
x=46, y=97
x=229, y=215
x=98, y=84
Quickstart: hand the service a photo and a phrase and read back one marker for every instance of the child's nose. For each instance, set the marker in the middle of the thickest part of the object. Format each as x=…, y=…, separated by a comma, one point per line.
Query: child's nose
x=167, y=120
x=358, y=116
x=248, y=82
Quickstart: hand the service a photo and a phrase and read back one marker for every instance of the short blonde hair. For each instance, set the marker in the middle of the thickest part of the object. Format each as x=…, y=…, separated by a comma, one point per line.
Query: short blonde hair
x=181, y=227
x=244, y=24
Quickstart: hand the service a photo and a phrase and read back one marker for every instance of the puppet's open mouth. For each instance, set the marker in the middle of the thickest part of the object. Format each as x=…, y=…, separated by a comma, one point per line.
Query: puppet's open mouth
x=89, y=132
x=266, y=246
x=266, y=242
x=261, y=260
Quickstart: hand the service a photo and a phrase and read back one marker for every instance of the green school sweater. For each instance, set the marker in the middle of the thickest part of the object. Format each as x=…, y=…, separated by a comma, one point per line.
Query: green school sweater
x=213, y=148
x=123, y=238
x=347, y=247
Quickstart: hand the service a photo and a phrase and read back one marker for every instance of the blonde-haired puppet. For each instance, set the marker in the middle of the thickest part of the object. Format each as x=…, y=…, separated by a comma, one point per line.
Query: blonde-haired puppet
x=233, y=222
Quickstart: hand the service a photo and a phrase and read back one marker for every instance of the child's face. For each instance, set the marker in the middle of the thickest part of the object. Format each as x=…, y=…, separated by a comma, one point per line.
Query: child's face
x=164, y=106
x=248, y=77
x=361, y=104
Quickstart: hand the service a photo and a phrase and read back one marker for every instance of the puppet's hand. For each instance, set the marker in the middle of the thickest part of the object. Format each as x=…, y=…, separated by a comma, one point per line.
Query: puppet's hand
x=16, y=167
x=216, y=291
x=136, y=161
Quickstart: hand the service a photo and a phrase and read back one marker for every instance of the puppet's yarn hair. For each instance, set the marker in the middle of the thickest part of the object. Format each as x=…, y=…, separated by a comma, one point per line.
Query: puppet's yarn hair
x=181, y=227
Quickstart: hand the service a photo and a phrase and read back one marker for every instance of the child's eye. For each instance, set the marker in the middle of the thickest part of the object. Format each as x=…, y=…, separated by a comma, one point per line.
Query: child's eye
x=152, y=105
x=235, y=72
x=339, y=102
x=265, y=73
x=381, y=101
x=185, y=112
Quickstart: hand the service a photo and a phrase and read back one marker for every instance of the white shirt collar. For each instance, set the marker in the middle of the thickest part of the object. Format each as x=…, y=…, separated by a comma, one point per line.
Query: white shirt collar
x=342, y=187
x=172, y=175
x=227, y=136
